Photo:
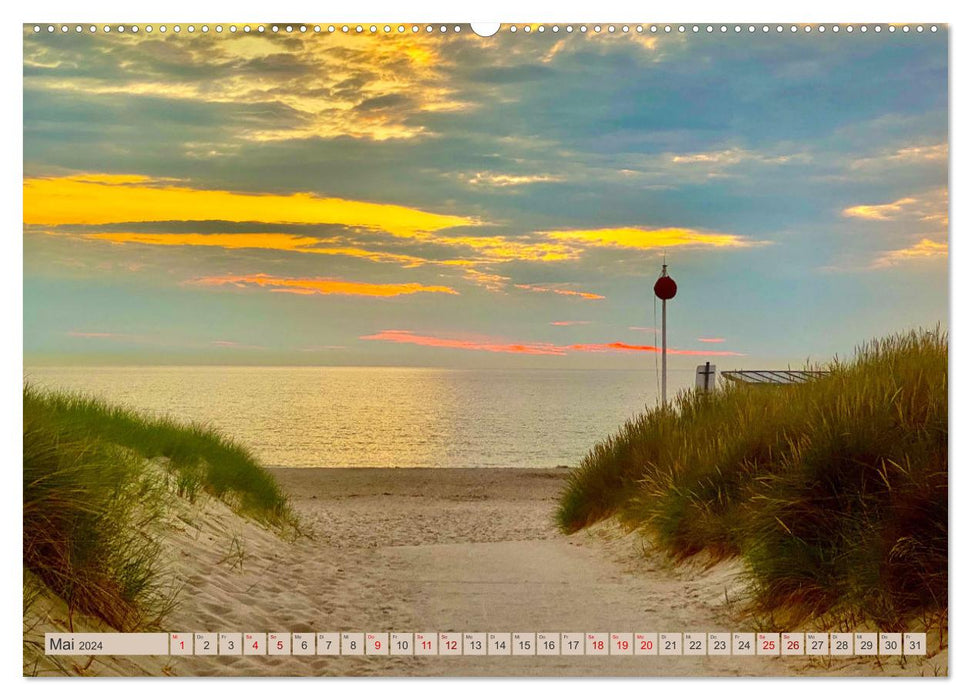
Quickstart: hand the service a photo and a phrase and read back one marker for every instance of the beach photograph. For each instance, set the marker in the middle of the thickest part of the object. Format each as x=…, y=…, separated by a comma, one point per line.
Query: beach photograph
x=544, y=350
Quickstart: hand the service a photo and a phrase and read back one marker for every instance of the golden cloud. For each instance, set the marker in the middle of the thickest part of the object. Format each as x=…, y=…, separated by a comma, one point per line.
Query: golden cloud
x=93, y=199
x=649, y=239
x=881, y=212
x=322, y=286
x=925, y=249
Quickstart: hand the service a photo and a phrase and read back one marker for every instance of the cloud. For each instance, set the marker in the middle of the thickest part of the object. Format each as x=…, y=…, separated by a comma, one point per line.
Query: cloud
x=308, y=286
x=644, y=329
x=918, y=224
x=488, y=179
x=257, y=241
x=927, y=209
x=522, y=348
x=649, y=239
x=907, y=156
x=925, y=249
x=561, y=292
x=881, y=212
x=569, y=323
x=734, y=156
x=234, y=345
x=90, y=199
x=303, y=86
x=97, y=334
x=711, y=340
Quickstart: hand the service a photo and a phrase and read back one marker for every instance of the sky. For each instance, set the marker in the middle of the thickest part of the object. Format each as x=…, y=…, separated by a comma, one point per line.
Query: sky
x=450, y=200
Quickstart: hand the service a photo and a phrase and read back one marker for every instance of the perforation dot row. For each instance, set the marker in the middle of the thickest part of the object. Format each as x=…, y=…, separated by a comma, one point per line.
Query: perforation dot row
x=443, y=29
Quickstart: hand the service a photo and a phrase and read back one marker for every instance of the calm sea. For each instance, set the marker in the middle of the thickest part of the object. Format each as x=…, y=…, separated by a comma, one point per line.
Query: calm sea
x=384, y=417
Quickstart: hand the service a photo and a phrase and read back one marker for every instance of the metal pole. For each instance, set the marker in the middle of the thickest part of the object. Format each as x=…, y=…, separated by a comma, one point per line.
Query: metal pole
x=664, y=352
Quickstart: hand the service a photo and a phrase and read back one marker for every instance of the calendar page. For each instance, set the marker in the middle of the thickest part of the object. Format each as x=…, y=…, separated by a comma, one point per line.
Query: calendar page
x=515, y=349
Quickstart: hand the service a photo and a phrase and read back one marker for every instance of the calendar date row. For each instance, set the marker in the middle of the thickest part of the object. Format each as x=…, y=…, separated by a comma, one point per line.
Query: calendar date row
x=372, y=644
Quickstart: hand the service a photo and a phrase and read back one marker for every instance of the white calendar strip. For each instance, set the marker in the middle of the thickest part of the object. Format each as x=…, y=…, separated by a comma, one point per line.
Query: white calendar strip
x=487, y=644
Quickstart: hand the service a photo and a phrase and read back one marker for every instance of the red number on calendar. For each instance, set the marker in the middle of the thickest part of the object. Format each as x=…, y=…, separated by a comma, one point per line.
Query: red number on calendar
x=598, y=645
x=792, y=645
x=256, y=645
x=452, y=645
x=768, y=645
x=426, y=644
x=623, y=644
x=377, y=644
x=646, y=645
x=279, y=644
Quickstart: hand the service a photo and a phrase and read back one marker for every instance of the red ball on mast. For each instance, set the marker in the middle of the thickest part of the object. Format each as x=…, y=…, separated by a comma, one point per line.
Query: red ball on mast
x=665, y=288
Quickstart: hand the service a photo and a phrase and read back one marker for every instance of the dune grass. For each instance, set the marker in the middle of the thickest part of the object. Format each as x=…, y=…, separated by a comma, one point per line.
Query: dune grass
x=96, y=476
x=834, y=492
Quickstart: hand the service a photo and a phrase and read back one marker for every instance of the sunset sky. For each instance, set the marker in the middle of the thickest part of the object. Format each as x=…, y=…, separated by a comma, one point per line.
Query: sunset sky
x=450, y=200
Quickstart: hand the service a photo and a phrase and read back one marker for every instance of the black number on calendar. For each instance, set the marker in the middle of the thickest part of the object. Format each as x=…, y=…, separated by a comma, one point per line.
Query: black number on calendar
x=668, y=645
x=842, y=645
x=745, y=645
x=694, y=646
x=205, y=645
x=500, y=644
x=303, y=645
x=573, y=644
x=891, y=645
x=719, y=645
x=816, y=645
x=475, y=645
x=549, y=645
x=866, y=645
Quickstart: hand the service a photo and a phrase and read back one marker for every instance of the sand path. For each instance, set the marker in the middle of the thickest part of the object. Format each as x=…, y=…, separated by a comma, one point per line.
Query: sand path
x=464, y=550
x=460, y=550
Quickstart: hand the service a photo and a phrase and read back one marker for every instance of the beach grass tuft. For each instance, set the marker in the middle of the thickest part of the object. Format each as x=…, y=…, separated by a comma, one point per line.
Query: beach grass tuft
x=834, y=492
x=96, y=477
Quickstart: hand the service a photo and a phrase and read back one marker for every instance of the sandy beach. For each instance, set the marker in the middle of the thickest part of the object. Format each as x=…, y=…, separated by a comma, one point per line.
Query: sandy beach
x=423, y=550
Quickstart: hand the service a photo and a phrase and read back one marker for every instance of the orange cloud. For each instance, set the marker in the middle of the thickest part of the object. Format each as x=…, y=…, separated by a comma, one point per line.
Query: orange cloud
x=569, y=323
x=627, y=347
x=410, y=338
x=522, y=348
x=321, y=286
x=562, y=292
x=711, y=340
x=649, y=239
x=97, y=199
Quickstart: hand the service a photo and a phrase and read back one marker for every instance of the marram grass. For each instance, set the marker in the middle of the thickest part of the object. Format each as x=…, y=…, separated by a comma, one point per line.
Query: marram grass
x=834, y=492
x=94, y=481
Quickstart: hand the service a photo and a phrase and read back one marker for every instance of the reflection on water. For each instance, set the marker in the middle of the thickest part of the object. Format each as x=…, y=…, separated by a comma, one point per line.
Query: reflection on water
x=383, y=417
